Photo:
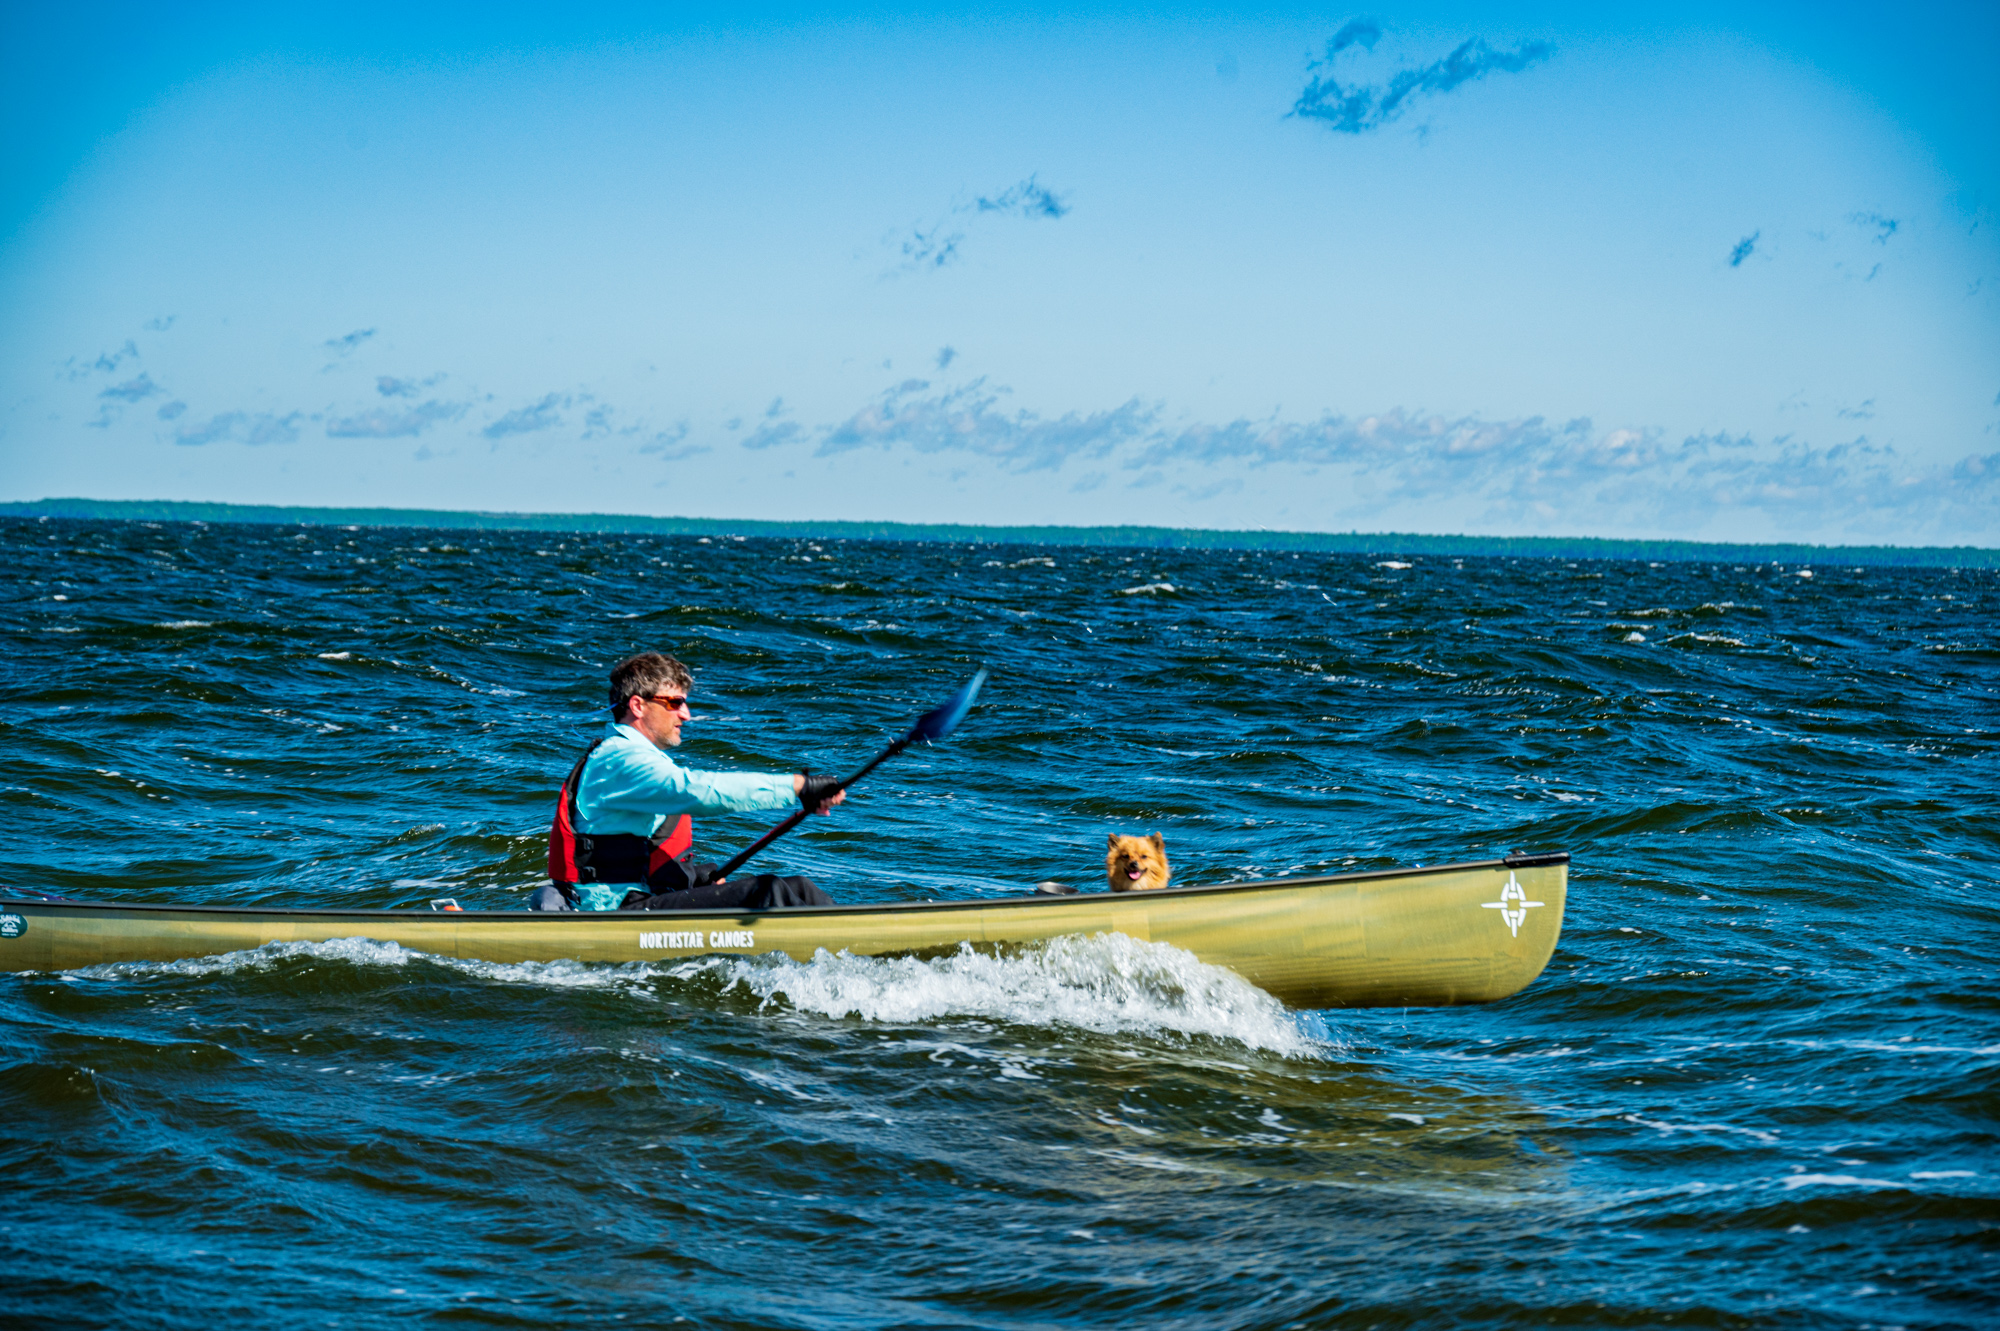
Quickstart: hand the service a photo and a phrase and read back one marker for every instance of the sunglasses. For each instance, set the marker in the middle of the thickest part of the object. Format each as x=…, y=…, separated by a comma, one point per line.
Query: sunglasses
x=671, y=702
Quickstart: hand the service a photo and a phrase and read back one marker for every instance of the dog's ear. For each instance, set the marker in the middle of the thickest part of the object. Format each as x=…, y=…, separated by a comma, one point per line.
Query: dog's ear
x=1111, y=840
x=1159, y=842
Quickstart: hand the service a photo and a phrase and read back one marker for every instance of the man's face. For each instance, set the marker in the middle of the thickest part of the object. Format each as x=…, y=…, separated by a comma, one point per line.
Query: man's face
x=659, y=717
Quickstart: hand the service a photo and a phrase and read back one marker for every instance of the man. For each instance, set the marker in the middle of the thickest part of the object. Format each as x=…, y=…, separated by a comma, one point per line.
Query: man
x=623, y=830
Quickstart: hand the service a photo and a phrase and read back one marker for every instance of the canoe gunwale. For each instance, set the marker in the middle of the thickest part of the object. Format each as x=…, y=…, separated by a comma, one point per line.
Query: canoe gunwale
x=1031, y=899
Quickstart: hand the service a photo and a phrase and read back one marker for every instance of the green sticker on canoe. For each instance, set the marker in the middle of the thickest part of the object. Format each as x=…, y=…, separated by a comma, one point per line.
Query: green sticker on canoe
x=12, y=925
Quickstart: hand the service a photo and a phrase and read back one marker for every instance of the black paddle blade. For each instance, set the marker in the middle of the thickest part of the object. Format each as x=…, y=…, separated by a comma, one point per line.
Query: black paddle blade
x=941, y=722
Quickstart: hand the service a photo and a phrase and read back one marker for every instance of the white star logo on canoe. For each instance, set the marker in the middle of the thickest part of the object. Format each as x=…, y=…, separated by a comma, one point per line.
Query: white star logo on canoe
x=1513, y=904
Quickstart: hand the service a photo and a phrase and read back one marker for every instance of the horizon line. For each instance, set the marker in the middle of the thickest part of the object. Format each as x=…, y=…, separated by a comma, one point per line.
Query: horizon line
x=1130, y=535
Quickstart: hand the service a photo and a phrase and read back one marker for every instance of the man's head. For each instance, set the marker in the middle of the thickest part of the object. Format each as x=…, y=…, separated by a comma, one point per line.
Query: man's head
x=649, y=693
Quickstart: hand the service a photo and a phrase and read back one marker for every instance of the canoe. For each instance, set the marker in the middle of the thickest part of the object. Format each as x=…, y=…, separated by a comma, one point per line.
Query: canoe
x=1456, y=933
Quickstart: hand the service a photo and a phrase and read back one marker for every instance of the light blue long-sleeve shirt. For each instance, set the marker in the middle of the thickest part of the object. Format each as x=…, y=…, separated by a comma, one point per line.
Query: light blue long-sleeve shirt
x=630, y=785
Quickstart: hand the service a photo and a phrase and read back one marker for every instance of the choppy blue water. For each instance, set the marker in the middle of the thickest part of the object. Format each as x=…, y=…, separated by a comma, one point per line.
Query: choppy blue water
x=1758, y=1085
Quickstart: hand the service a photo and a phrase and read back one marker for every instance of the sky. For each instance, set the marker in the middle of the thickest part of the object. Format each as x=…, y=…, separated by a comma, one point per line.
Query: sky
x=1725, y=272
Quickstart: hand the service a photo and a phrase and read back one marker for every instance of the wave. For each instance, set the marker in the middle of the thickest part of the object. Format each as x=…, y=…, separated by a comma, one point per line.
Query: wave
x=363, y=952
x=1106, y=984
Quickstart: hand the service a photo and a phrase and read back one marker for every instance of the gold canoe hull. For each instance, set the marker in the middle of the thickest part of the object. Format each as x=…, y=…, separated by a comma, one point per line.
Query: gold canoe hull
x=1458, y=933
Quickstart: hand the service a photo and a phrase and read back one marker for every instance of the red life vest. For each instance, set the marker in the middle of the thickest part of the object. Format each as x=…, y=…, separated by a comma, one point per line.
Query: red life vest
x=658, y=861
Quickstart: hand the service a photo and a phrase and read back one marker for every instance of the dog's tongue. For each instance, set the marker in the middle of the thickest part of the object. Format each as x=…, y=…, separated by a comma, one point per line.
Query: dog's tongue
x=1134, y=871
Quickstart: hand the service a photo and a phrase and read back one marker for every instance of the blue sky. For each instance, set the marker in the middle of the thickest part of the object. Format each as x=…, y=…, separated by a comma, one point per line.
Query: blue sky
x=1728, y=272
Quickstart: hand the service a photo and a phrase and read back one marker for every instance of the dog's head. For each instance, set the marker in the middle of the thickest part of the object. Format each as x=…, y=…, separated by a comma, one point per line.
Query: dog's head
x=1136, y=863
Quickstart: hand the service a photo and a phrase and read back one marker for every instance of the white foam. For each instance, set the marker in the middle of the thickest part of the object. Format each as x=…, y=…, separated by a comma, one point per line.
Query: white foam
x=360, y=951
x=179, y=623
x=555, y=974
x=1768, y=1138
x=374, y=952
x=336, y=656
x=1146, y=589
x=1837, y=1181
x=1391, y=563
x=1897, y=1047
x=1105, y=983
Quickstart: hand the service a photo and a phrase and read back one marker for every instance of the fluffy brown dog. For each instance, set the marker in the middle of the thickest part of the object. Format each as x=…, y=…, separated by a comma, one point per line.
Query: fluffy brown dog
x=1137, y=863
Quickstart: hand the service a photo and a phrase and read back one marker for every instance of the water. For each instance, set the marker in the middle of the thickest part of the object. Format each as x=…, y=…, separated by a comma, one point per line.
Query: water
x=1758, y=1085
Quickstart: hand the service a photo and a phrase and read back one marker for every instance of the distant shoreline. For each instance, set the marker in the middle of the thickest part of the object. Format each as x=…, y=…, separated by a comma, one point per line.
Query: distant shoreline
x=1148, y=538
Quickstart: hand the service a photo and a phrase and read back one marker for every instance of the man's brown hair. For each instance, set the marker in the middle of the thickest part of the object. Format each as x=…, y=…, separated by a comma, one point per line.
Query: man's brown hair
x=646, y=674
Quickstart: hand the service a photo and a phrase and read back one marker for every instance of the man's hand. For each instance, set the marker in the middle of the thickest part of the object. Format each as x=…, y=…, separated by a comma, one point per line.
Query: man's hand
x=817, y=793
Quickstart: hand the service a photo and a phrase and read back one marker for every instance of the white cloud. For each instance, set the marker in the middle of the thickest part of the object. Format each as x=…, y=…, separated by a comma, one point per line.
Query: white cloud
x=1526, y=473
x=969, y=419
x=242, y=427
x=543, y=415
x=394, y=423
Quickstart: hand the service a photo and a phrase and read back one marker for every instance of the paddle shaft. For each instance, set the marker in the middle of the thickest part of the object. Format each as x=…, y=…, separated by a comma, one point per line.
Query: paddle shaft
x=743, y=856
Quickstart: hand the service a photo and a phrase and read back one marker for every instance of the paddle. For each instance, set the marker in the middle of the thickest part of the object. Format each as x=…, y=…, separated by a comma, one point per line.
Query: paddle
x=932, y=725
